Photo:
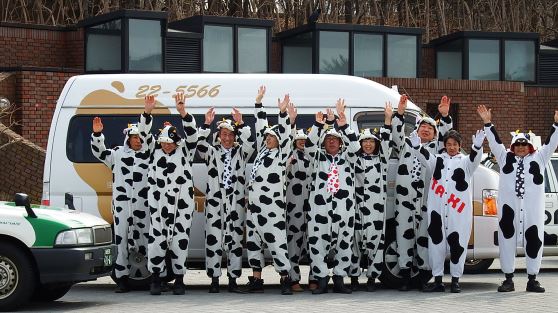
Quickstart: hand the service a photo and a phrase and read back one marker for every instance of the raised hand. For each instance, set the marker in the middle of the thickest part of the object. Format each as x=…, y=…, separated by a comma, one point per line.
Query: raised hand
x=291, y=110
x=209, y=116
x=320, y=117
x=388, y=113
x=478, y=138
x=180, y=99
x=402, y=106
x=330, y=116
x=444, y=106
x=149, y=103
x=340, y=106
x=486, y=114
x=283, y=104
x=237, y=116
x=97, y=125
x=342, y=120
x=415, y=139
x=261, y=94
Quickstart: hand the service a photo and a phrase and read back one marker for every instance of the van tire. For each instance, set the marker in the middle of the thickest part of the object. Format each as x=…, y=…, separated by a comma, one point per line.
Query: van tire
x=477, y=266
x=140, y=277
x=17, y=277
x=390, y=271
x=51, y=292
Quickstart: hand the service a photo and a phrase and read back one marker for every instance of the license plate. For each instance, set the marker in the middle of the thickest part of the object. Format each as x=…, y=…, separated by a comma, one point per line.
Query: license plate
x=107, y=257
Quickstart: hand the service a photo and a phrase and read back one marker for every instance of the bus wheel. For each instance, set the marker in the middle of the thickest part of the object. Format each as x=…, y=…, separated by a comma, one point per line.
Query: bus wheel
x=477, y=266
x=390, y=272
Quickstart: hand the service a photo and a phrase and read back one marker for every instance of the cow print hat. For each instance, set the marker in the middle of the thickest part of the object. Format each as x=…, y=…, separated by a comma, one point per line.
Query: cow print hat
x=518, y=137
x=272, y=130
x=226, y=124
x=168, y=134
x=453, y=134
x=427, y=120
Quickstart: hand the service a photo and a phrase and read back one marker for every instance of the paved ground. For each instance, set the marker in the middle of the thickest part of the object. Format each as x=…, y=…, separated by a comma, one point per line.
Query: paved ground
x=479, y=294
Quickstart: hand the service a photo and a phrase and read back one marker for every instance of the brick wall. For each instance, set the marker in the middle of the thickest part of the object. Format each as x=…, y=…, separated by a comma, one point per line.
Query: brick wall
x=8, y=91
x=37, y=94
x=22, y=166
x=33, y=46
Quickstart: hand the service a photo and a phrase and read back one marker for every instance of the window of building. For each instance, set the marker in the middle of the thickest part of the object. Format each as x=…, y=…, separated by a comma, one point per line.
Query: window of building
x=103, y=48
x=252, y=50
x=145, y=44
x=484, y=59
x=520, y=60
x=368, y=54
x=297, y=54
x=334, y=53
x=449, y=59
x=218, y=49
x=401, y=56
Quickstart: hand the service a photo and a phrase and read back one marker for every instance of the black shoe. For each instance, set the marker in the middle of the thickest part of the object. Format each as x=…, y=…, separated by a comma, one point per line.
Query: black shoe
x=255, y=285
x=179, y=288
x=233, y=287
x=155, y=286
x=214, y=287
x=355, y=285
x=371, y=285
x=322, y=286
x=534, y=286
x=455, y=288
x=506, y=286
x=122, y=285
x=435, y=287
x=339, y=285
x=286, y=288
x=424, y=278
x=405, y=279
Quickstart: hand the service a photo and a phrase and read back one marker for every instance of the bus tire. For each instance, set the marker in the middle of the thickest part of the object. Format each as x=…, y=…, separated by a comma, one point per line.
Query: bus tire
x=390, y=271
x=477, y=266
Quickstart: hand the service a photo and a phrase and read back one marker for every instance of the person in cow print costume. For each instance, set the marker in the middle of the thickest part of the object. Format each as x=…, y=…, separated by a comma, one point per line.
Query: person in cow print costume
x=332, y=205
x=449, y=204
x=370, y=191
x=520, y=199
x=171, y=200
x=129, y=164
x=410, y=194
x=299, y=174
x=265, y=221
x=225, y=195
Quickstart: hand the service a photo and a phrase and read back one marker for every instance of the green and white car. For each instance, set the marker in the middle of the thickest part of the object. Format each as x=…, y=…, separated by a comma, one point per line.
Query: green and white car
x=45, y=250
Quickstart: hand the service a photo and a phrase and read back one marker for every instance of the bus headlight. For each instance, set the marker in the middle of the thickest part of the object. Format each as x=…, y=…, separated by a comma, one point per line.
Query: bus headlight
x=75, y=237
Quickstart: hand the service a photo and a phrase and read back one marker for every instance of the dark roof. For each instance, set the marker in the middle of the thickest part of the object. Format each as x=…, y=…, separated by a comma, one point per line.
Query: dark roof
x=100, y=19
x=196, y=22
x=483, y=35
x=350, y=27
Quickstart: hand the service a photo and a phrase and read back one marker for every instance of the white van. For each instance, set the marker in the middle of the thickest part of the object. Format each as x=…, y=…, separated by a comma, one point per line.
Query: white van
x=118, y=100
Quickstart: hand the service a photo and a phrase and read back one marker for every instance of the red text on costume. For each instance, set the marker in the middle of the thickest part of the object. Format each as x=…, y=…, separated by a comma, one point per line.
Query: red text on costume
x=453, y=200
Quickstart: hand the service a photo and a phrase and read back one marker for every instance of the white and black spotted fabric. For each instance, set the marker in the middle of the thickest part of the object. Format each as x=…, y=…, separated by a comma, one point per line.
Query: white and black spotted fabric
x=370, y=193
x=521, y=220
x=415, y=172
x=129, y=193
x=225, y=212
x=410, y=197
x=331, y=216
x=450, y=206
x=520, y=178
x=265, y=220
x=171, y=202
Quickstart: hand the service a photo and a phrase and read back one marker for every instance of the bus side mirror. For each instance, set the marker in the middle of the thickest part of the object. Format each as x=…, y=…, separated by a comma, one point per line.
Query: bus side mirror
x=22, y=199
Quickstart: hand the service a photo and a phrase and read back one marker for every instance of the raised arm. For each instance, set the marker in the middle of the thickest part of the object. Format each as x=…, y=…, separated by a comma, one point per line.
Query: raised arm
x=551, y=142
x=261, y=118
x=286, y=108
x=398, y=124
x=204, y=132
x=350, y=136
x=475, y=156
x=494, y=142
x=98, y=144
x=244, y=134
x=188, y=123
x=386, y=142
x=312, y=143
x=446, y=122
x=145, y=123
x=427, y=159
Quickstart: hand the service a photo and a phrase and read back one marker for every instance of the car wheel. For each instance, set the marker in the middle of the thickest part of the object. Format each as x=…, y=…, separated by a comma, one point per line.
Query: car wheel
x=17, y=277
x=51, y=292
x=477, y=266
x=390, y=272
x=140, y=277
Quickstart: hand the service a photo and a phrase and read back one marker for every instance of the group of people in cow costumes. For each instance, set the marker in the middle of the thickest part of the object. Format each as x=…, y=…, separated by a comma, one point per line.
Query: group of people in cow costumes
x=319, y=195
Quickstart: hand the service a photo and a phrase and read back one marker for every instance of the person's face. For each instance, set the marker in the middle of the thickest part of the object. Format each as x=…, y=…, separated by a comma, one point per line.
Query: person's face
x=227, y=138
x=368, y=145
x=134, y=142
x=271, y=142
x=452, y=147
x=521, y=149
x=299, y=144
x=426, y=132
x=168, y=147
x=332, y=144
